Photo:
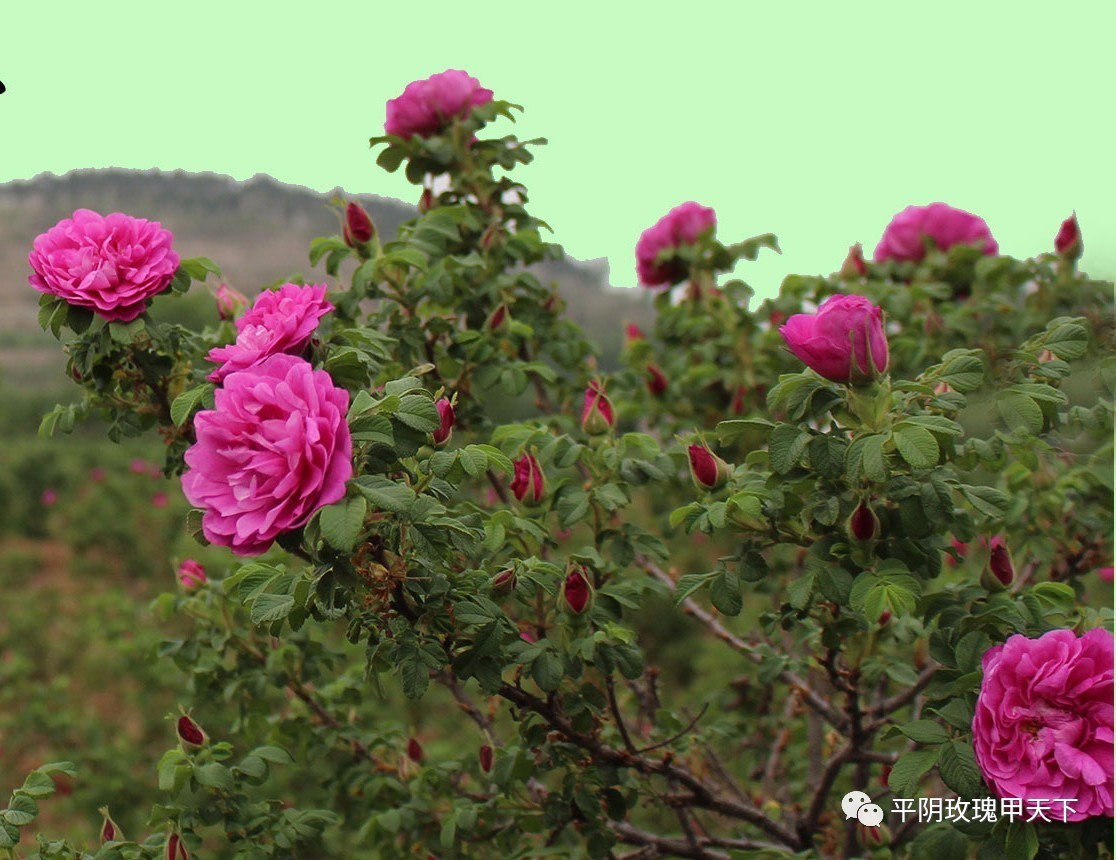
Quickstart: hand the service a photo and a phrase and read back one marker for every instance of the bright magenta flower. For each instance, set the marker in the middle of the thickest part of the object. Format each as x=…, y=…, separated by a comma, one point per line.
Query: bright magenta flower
x=903, y=237
x=837, y=340
x=274, y=451
x=111, y=264
x=429, y=106
x=1105, y=574
x=230, y=302
x=1044, y=720
x=682, y=225
x=279, y=321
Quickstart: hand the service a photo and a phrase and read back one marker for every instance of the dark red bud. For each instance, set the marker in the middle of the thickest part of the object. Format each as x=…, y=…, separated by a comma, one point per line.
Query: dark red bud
x=885, y=617
x=999, y=561
x=504, y=582
x=738, y=400
x=1068, y=242
x=577, y=591
x=426, y=201
x=414, y=751
x=596, y=413
x=485, y=756
x=358, y=226
x=449, y=418
x=863, y=523
x=175, y=848
x=529, y=482
x=656, y=380
x=498, y=320
x=707, y=469
x=110, y=832
x=190, y=733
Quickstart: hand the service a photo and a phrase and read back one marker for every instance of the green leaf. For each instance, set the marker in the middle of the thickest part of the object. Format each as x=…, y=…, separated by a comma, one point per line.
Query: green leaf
x=988, y=500
x=909, y=769
x=1019, y=412
x=1022, y=842
x=38, y=784
x=925, y=732
x=688, y=584
x=963, y=370
x=185, y=403
x=1068, y=341
x=271, y=607
x=866, y=457
x=21, y=811
x=725, y=592
x=385, y=494
x=547, y=671
x=916, y=445
x=959, y=770
x=786, y=445
x=418, y=412
x=273, y=754
x=214, y=775
x=341, y=523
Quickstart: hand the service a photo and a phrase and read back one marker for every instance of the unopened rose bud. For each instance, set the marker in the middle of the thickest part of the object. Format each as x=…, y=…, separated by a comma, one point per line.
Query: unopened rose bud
x=191, y=575
x=943, y=388
x=448, y=417
x=873, y=837
x=175, y=848
x=485, y=755
x=358, y=226
x=707, y=469
x=596, y=414
x=426, y=201
x=656, y=380
x=854, y=265
x=632, y=333
x=503, y=583
x=230, y=302
x=999, y=562
x=498, y=320
x=864, y=525
x=885, y=617
x=190, y=734
x=1068, y=242
x=529, y=482
x=110, y=831
x=737, y=405
x=577, y=591
x=414, y=751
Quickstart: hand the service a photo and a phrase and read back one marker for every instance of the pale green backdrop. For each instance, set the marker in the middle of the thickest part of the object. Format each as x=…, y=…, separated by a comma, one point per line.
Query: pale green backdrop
x=814, y=120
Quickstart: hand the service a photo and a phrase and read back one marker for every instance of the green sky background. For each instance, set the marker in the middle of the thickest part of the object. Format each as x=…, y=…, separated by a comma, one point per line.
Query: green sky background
x=813, y=120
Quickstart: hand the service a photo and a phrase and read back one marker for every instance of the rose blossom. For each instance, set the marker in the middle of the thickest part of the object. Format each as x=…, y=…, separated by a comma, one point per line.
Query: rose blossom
x=680, y=226
x=111, y=264
x=191, y=574
x=428, y=107
x=902, y=238
x=1043, y=724
x=837, y=340
x=274, y=451
x=280, y=320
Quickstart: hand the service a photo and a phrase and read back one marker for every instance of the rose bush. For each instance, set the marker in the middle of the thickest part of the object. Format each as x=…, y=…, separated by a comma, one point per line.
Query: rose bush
x=663, y=650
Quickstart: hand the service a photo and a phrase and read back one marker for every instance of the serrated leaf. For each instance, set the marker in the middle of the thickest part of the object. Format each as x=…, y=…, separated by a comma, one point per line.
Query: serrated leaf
x=988, y=500
x=270, y=607
x=1068, y=341
x=725, y=592
x=916, y=445
x=1019, y=412
x=959, y=770
x=909, y=769
x=185, y=403
x=786, y=444
x=547, y=671
x=214, y=775
x=385, y=494
x=418, y=412
x=341, y=523
x=925, y=732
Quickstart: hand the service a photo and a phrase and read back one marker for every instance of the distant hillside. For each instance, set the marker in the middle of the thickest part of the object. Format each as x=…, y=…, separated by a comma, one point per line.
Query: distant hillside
x=258, y=231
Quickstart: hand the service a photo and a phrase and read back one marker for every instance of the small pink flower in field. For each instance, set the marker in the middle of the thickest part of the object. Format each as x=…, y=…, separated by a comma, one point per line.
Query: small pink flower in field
x=844, y=341
x=159, y=500
x=946, y=226
x=1044, y=720
x=430, y=106
x=681, y=226
x=529, y=482
x=358, y=226
x=632, y=333
x=448, y=417
x=1068, y=242
x=230, y=302
x=140, y=467
x=280, y=321
x=274, y=450
x=49, y=497
x=192, y=574
x=596, y=412
x=854, y=265
x=1105, y=574
x=110, y=264
x=96, y=474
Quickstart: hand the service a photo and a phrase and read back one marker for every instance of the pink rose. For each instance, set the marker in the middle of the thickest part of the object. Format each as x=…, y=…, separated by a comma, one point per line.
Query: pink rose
x=1043, y=724
x=682, y=225
x=191, y=574
x=230, y=302
x=902, y=238
x=1105, y=574
x=281, y=320
x=111, y=264
x=274, y=451
x=843, y=341
x=429, y=106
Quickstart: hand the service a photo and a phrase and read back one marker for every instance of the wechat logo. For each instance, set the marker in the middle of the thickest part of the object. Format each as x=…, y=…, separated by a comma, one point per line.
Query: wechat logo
x=858, y=805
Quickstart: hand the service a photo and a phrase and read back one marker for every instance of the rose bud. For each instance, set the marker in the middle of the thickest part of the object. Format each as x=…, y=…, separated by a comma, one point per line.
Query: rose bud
x=190, y=734
x=449, y=418
x=358, y=228
x=414, y=751
x=503, y=583
x=110, y=831
x=844, y=341
x=707, y=469
x=885, y=617
x=656, y=380
x=426, y=201
x=175, y=848
x=873, y=837
x=596, y=414
x=737, y=405
x=191, y=575
x=529, y=483
x=632, y=333
x=854, y=265
x=485, y=756
x=999, y=562
x=577, y=591
x=864, y=524
x=230, y=302
x=498, y=320
x=1068, y=242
